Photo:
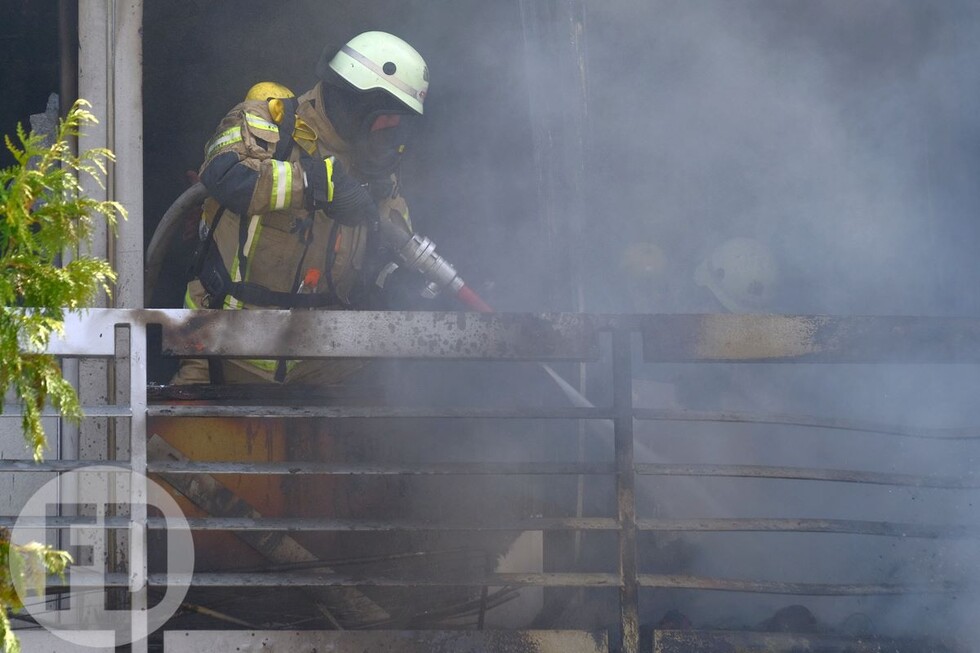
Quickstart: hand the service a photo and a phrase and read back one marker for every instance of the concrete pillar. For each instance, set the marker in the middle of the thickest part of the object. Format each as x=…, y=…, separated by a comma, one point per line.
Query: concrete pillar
x=110, y=77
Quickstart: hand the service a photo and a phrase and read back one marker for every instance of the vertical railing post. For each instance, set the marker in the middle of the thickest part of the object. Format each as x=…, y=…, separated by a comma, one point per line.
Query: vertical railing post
x=625, y=489
x=139, y=571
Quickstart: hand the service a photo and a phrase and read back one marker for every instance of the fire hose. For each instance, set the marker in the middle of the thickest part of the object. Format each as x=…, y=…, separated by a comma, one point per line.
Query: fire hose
x=418, y=253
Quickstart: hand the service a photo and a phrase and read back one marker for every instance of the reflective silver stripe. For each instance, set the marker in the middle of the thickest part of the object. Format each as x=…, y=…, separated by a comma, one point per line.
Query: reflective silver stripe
x=282, y=185
x=374, y=68
x=261, y=123
x=227, y=137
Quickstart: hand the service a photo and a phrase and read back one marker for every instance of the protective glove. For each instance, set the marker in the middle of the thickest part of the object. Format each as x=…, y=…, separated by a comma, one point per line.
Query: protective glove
x=396, y=288
x=331, y=189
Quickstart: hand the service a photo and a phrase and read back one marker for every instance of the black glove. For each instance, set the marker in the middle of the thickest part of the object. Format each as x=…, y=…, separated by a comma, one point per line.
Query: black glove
x=399, y=289
x=350, y=204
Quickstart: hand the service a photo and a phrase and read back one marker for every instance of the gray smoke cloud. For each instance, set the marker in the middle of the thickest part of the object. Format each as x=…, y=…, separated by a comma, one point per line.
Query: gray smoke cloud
x=837, y=133
x=842, y=136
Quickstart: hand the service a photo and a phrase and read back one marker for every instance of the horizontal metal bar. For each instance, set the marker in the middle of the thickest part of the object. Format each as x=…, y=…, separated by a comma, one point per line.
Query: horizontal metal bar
x=389, y=641
x=380, y=334
x=13, y=410
x=518, y=580
x=349, y=412
x=307, y=579
x=56, y=465
x=326, y=580
x=845, y=526
x=373, y=525
x=355, y=469
x=291, y=524
x=805, y=474
x=808, y=589
x=531, y=336
x=65, y=522
x=686, y=641
x=967, y=433
x=809, y=338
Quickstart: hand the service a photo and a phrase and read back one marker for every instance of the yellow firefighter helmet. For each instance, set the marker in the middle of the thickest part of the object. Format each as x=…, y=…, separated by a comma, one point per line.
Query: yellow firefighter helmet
x=267, y=91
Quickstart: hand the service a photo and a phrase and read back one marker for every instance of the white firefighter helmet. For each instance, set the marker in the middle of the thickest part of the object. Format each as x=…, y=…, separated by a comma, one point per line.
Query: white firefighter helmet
x=740, y=273
x=378, y=60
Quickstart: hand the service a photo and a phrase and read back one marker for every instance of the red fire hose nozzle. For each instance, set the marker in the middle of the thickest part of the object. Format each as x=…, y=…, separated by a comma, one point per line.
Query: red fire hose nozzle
x=419, y=253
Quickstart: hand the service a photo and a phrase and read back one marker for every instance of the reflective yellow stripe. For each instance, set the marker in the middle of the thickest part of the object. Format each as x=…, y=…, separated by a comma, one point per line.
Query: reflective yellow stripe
x=225, y=138
x=270, y=365
x=282, y=185
x=261, y=123
x=254, y=231
x=329, y=163
x=188, y=300
x=230, y=301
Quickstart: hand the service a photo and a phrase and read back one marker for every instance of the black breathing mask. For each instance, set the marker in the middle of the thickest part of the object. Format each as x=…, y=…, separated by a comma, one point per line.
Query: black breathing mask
x=384, y=136
x=376, y=126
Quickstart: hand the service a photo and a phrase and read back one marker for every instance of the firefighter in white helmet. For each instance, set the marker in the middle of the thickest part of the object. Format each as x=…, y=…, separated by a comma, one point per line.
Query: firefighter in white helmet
x=741, y=274
x=297, y=187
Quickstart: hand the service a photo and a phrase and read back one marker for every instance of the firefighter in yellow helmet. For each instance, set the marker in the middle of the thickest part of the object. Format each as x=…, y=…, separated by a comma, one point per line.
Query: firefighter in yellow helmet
x=268, y=91
x=297, y=187
x=646, y=272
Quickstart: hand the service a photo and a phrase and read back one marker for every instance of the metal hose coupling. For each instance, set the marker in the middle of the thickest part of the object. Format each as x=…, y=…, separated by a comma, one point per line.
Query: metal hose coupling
x=419, y=254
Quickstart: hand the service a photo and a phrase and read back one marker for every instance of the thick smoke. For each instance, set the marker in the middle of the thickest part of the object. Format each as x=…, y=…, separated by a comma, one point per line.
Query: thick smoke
x=842, y=136
x=839, y=134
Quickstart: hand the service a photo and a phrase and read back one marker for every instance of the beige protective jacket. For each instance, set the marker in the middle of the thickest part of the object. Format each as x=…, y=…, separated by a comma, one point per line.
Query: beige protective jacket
x=283, y=241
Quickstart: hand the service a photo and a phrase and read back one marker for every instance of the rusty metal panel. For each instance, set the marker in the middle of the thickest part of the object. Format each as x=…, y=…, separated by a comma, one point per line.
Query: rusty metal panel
x=809, y=338
x=375, y=334
x=695, y=641
x=309, y=641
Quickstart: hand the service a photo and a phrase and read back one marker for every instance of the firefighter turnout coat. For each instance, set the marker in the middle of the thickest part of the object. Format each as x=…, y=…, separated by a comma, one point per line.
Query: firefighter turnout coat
x=265, y=248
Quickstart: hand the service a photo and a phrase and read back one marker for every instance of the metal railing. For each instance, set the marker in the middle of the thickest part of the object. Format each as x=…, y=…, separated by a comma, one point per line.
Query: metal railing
x=517, y=337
